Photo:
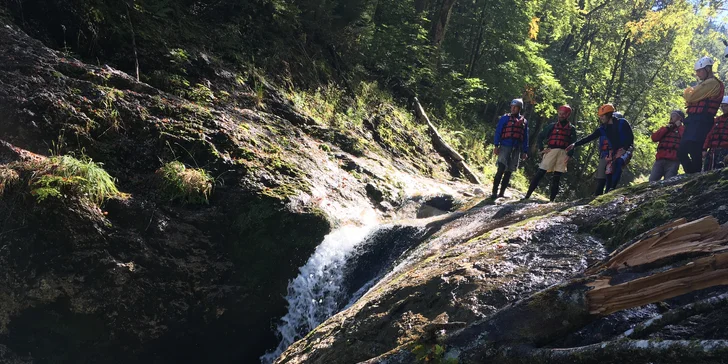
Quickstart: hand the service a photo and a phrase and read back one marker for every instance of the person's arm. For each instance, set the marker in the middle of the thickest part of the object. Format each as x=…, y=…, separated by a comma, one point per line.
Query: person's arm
x=630, y=136
x=524, y=148
x=706, y=89
x=596, y=134
x=660, y=133
x=543, y=135
x=572, y=140
x=499, y=130
x=707, y=138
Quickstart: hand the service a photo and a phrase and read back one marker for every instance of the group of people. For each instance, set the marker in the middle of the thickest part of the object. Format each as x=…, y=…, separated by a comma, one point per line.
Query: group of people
x=699, y=141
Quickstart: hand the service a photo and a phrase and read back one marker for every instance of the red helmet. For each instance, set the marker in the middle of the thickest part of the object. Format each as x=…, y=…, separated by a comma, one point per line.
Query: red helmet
x=566, y=108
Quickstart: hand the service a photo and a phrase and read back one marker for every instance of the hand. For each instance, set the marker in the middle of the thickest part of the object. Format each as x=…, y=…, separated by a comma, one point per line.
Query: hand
x=524, y=156
x=705, y=153
x=566, y=160
x=496, y=150
x=570, y=147
x=620, y=153
x=545, y=151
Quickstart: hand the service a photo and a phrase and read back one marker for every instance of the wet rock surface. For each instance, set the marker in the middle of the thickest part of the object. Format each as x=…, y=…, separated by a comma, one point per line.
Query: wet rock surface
x=490, y=259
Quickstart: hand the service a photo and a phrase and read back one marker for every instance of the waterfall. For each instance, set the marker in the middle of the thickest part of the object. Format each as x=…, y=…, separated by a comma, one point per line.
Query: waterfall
x=342, y=268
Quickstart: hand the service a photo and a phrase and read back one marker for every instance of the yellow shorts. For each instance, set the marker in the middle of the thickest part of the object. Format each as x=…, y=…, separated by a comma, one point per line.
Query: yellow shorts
x=554, y=161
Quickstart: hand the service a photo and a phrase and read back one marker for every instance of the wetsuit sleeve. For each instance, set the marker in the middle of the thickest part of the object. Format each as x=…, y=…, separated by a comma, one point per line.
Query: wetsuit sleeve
x=543, y=135
x=706, y=89
x=572, y=139
x=587, y=139
x=629, y=140
x=525, y=137
x=659, y=134
x=499, y=130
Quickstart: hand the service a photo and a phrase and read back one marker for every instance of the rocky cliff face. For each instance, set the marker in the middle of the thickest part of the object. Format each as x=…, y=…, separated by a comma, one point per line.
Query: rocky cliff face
x=140, y=278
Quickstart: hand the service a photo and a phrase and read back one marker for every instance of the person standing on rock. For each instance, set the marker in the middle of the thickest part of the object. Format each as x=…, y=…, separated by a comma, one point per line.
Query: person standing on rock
x=703, y=102
x=666, y=161
x=558, y=136
x=615, y=148
x=511, y=146
x=715, y=148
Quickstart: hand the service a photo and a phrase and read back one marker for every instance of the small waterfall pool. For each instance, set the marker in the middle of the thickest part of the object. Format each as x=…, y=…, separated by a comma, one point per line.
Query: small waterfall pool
x=347, y=263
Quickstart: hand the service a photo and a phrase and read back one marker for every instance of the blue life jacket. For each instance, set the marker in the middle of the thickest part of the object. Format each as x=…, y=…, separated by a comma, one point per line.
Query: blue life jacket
x=604, y=145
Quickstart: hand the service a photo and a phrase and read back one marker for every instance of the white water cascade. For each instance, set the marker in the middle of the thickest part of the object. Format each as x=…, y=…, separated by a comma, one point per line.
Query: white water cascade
x=316, y=293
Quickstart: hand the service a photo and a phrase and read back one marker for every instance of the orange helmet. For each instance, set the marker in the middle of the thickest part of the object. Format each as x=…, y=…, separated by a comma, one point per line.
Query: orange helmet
x=605, y=109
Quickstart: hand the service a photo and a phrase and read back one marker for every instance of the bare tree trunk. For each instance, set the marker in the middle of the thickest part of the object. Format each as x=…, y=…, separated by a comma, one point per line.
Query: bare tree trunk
x=439, y=22
x=610, y=84
x=478, y=43
x=450, y=154
x=133, y=41
x=618, y=93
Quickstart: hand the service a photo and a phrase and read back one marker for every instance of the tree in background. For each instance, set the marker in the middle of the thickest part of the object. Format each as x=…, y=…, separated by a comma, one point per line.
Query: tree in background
x=464, y=59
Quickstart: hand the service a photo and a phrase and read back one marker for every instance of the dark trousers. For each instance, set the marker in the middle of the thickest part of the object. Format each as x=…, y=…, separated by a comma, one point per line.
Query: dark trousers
x=502, y=178
x=613, y=179
x=554, y=184
x=691, y=155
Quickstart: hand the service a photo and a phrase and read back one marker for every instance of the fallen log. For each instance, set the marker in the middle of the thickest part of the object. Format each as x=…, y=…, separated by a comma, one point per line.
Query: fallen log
x=699, y=274
x=450, y=154
x=675, y=238
x=565, y=308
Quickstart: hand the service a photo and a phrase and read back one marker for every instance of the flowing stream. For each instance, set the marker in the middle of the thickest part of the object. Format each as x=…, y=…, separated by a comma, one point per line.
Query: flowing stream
x=348, y=262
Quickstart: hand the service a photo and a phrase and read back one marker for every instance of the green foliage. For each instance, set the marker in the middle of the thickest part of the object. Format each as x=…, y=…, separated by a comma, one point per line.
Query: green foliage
x=67, y=176
x=8, y=177
x=432, y=354
x=190, y=185
x=201, y=94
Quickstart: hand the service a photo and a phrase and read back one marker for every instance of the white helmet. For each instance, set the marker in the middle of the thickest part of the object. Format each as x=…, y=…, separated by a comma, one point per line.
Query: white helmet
x=725, y=100
x=703, y=62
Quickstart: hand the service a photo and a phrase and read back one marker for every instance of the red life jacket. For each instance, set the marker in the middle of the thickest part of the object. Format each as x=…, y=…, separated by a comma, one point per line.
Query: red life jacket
x=718, y=136
x=604, y=148
x=514, y=128
x=669, y=144
x=707, y=106
x=560, y=136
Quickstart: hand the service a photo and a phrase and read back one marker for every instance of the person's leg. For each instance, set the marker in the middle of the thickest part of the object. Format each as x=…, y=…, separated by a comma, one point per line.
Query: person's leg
x=670, y=168
x=683, y=154
x=719, y=158
x=555, y=186
x=708, y=161
x=616, y=175
x=696, y=154
x=506, y=181
x=534, y=182
x=497, y=179
x=658, y=170
x=601, y=183
x=601, y=177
